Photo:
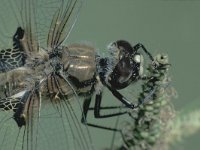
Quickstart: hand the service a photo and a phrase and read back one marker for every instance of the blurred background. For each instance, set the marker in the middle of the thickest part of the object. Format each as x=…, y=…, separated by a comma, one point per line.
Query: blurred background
x=163, y=26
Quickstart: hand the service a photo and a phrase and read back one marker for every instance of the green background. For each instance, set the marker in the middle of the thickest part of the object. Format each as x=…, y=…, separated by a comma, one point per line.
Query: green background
x=163, y=26
x=167, y=26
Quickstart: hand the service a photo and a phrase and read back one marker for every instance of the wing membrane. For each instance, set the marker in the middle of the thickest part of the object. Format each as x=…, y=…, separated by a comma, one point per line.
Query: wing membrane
x=23, y=133
x=46, y=24
x=62, y=22
x=66, y=109
x=28, y=13
x=21, y=13
x=35, y=121
x=30, y=119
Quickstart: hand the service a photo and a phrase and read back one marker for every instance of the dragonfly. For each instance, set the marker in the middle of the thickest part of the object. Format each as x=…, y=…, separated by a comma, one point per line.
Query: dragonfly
x=43, y=79
x=36, y=109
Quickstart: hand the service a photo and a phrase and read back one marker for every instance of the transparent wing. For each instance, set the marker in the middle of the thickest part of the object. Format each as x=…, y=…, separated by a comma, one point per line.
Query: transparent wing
x=63, y=22
x=9, y=15
x=21, y=13
x=30, y=119
x=61, y=113
x=44, y=23
x=28, y=12
x=29, y=27
x=19, y=126
x=18, y=33
x=53, y=20
x=35, y=120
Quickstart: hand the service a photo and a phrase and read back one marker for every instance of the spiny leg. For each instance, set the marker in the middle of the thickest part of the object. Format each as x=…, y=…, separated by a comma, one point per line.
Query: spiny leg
x=97, y=109
x=121, y=98
x=108, y=107
x=126, y=102
x=86, y=105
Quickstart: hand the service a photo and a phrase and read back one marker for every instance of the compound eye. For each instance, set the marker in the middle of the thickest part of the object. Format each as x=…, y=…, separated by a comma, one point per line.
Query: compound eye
x=137, y=58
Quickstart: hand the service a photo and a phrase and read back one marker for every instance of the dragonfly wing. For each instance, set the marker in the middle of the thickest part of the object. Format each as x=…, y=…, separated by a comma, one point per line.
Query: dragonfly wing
x=24, y=109
x=38, y=121
x=29, y=41
x=44, y=117
x=63, y=21
x=24, y=43
x=40, y=25
x=60, y=115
